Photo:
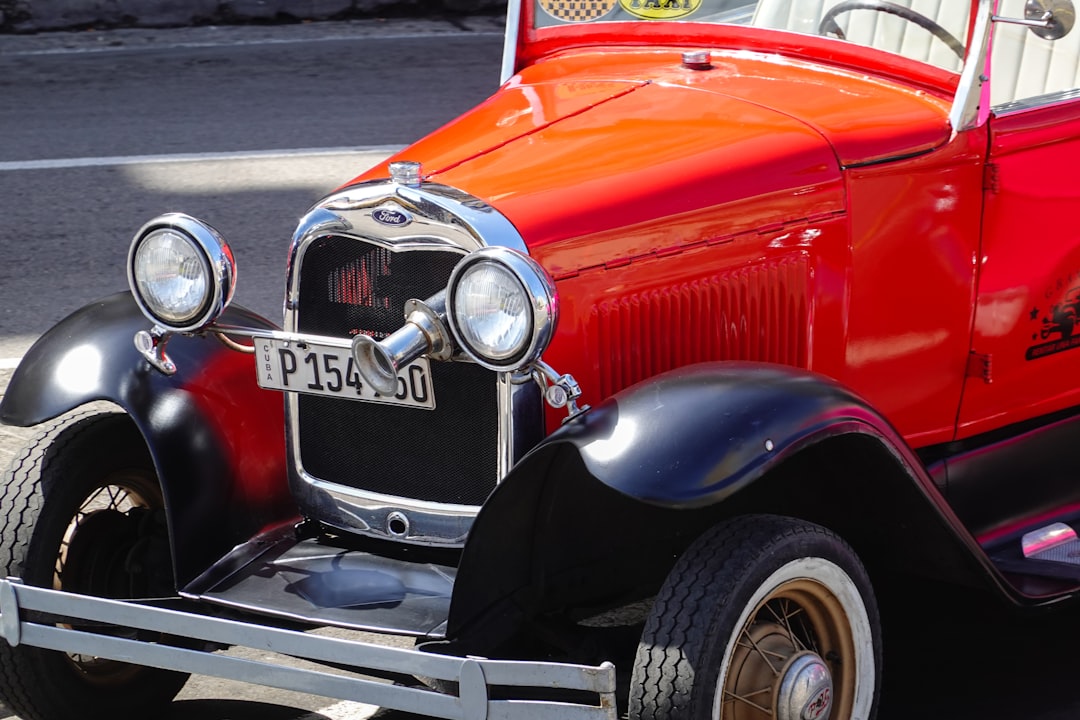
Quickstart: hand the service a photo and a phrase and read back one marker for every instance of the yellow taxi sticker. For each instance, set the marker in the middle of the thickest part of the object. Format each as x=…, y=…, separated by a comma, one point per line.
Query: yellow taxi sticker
x=578, y=10
x=660, y=9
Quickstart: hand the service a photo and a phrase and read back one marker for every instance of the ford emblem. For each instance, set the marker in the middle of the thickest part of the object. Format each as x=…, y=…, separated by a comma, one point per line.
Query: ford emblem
x=391, y=217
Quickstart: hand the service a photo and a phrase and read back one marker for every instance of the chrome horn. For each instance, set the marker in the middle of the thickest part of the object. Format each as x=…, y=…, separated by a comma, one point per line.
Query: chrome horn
x=424, y=333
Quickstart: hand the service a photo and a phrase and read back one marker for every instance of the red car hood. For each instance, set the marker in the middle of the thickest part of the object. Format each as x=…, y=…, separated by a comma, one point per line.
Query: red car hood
x=593, y=143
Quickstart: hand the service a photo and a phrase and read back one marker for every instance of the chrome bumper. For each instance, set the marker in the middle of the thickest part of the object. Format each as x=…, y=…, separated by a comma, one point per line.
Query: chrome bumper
x=474, y=676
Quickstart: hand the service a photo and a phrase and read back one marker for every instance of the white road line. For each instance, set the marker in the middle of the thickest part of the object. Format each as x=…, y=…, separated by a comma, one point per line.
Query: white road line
x=66, y=163
x=366, y=37
x=120, y=160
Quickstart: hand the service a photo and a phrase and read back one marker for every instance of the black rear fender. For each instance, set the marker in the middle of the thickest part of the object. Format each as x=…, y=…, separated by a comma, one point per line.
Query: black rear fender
x=216, y=439
x=597, y=514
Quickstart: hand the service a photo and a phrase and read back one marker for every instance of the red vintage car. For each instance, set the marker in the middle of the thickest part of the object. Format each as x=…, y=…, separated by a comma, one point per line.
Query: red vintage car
x=624, y=392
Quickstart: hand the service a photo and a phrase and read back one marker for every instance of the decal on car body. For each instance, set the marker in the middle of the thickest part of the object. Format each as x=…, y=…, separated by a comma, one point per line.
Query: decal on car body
x=577, y=10
x=1060, y=321
x=660, y=9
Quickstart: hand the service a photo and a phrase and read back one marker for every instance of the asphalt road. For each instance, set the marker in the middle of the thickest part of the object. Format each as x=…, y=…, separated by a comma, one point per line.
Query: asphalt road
x=246, y=127
x=79, y=114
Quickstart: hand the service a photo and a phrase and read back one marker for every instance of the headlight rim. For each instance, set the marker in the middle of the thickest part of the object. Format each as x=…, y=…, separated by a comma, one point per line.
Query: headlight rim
x=542, y=298
x=218, y=259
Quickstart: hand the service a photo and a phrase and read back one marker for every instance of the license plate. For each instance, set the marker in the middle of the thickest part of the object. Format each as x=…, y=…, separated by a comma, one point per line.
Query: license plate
x=317, y=369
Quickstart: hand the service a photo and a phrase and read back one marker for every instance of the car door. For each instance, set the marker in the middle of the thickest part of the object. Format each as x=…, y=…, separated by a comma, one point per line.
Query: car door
x=1025, y=360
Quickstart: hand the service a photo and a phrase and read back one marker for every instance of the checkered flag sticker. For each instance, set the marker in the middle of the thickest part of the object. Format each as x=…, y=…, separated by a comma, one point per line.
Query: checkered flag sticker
x=578, y=10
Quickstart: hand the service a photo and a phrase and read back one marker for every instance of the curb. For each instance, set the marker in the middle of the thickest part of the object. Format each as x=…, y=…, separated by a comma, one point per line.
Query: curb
x=28, y=16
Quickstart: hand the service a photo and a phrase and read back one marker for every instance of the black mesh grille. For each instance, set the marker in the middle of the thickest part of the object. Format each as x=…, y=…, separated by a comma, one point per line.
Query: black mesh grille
x=445, y=455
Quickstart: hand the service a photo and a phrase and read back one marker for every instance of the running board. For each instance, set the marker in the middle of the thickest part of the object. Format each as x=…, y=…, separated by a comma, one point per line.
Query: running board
x=474, y=677
x=1054, y=543
x=1052, y=551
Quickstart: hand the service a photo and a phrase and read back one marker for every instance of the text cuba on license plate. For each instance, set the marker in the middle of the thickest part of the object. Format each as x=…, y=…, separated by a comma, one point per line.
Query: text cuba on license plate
x=317, y=369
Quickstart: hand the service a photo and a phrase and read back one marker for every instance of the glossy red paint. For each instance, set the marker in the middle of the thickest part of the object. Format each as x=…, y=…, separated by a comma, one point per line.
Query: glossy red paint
x=758, y=191
x=911, y=286
x=750, y=297
x=894, y=119
x=517, y=110
x=536, y=46
x=553, y=188
x=247, y=421
x=1029, y=268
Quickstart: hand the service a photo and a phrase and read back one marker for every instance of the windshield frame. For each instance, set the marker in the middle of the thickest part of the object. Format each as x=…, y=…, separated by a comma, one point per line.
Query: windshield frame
x=526, y=45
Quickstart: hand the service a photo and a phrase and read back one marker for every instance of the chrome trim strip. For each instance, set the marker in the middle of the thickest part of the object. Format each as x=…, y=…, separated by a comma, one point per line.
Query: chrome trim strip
x=1037, y=101
x=967, y=110
x=506, y=425
x=429, y=523
x=513, y=28
x=526, y=403
x=299, y=338
x=441, y=218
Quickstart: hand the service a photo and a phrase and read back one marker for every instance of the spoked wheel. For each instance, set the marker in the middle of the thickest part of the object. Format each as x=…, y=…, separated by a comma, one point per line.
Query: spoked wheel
x=762, y=617
x=778, y=657
x=95, y=555
x=83, y=512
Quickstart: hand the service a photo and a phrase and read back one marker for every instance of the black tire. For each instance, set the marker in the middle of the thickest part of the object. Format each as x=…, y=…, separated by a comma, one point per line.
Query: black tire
x=82, y=511
x=756, y=606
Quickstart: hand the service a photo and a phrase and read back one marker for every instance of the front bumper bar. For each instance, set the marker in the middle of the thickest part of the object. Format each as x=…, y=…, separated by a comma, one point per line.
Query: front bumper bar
x=474, y=676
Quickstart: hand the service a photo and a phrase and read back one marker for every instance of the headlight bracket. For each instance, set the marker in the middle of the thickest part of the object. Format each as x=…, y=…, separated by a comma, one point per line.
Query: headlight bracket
x=151, y=345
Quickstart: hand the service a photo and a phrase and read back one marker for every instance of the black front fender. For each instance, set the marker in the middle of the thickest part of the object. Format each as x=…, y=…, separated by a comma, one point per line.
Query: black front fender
x=216, y=439
x=693, y=437
x=597, y=513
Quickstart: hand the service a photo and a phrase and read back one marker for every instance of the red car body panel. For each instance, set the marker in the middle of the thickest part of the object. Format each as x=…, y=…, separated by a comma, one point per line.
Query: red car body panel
x=742, y=168
x=1030, y=261
x=535, y=45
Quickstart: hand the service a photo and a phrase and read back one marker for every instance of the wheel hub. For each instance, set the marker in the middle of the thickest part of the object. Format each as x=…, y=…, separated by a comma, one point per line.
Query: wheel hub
x=95, y=558
x=804, y=689
x=774, y=677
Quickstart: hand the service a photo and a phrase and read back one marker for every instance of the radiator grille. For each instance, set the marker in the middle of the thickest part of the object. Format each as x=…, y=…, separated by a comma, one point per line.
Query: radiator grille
x=445, y=455
x=756, y=313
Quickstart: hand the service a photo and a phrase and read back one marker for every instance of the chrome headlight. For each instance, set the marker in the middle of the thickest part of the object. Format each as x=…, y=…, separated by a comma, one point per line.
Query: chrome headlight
x=181, y=272
x=502, y=308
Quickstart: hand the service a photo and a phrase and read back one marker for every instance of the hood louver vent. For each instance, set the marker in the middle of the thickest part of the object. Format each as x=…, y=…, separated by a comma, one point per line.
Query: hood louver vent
x=757, y=313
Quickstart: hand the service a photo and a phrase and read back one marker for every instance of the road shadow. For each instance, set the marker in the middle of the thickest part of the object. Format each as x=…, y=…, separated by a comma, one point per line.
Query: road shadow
x=961, y=654
x=237, y=710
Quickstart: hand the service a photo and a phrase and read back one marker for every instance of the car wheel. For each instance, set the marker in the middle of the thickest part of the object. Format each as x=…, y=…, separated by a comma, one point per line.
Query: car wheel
x=762, y=617
x=82, y=511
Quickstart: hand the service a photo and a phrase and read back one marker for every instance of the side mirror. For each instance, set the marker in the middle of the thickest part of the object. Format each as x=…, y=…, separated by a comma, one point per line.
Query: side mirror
x=1049, y=19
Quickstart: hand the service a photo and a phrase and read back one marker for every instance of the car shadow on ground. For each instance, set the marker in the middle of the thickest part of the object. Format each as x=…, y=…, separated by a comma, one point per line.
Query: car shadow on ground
x=237, y=710
x=981, y=658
